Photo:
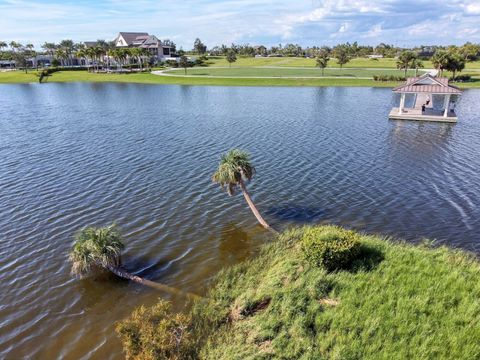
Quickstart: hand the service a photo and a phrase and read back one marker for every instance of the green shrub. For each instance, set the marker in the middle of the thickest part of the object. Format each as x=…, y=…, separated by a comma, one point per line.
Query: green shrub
x=172, y=63
x=388, y=78
x=156, y=333
x=461, y=78
x=330, y=247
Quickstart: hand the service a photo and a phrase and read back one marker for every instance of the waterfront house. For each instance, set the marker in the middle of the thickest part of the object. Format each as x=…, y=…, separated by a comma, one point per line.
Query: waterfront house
x=143, y=40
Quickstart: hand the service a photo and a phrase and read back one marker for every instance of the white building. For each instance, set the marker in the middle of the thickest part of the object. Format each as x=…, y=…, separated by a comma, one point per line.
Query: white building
x=143, y=40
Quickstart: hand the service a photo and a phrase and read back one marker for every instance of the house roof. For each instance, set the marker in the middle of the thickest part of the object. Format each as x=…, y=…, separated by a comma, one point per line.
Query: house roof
x=427, y=84
x=90, y=43
x=130, y=37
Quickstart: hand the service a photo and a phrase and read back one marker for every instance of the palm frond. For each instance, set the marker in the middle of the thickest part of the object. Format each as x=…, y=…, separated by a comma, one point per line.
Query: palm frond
x=234, y=166
x=95, y=247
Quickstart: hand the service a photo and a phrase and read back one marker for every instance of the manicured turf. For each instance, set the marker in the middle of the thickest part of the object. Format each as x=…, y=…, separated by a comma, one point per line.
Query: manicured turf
x=147, y=78
x=396, y=301
x=304, y=62
x=286, y=72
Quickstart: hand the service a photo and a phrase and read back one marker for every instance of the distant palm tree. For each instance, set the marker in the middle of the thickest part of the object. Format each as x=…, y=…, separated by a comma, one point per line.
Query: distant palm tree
x=62, y=55
x=3, y=45
x=99, y=54
x=81, y=53
x=136, y=53
x=49, y=48
x=14, y=45
x=100, y=248
x=440, y=60
x=405, y=60
x=111, y=54
x=234, y=169
x=31, y=54
x=322, y=60
x=68, y=47
x=145, y=55
x=417, y=64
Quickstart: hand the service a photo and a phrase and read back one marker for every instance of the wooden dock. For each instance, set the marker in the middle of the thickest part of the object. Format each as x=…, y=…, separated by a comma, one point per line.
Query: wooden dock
x=428, y=115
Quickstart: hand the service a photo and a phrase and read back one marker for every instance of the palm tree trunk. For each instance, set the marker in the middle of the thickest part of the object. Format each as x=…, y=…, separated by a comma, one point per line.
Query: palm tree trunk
x=254, y=209
x=121, y=272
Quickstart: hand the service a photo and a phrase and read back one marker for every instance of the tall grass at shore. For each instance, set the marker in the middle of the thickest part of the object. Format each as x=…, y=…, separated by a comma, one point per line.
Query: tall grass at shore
x=394, y=300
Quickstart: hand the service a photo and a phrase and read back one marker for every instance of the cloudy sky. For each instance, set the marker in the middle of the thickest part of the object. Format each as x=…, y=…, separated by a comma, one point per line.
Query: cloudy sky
x=307, y=22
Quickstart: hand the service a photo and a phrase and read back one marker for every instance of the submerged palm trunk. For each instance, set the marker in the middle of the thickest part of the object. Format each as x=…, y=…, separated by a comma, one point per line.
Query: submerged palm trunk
x=254, y=209
x=121, y=272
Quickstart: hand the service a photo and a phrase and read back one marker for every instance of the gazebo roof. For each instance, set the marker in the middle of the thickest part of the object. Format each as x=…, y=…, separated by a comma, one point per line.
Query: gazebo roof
x=427, y=84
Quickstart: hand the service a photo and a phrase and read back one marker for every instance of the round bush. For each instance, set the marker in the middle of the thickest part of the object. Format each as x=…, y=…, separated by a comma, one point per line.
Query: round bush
x=330, y=247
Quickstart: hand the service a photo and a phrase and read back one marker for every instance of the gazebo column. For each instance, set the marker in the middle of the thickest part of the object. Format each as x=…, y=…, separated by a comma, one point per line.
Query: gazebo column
x=446, y=105
x=402, y=104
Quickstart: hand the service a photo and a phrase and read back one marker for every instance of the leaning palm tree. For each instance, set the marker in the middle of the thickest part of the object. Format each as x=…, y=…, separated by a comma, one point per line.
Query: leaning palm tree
x=100, y=248
x=234, y=169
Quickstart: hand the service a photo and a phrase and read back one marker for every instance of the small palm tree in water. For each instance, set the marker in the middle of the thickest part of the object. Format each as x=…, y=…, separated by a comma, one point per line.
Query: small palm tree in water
x=97, y=248
x=100, y=248
x=234, y=169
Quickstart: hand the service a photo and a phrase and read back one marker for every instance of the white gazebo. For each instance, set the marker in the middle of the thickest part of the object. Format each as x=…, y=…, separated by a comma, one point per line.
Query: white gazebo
x=424, y=89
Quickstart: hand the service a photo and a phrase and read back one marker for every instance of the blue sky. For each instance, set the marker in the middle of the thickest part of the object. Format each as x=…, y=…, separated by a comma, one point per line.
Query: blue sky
x=307, y=22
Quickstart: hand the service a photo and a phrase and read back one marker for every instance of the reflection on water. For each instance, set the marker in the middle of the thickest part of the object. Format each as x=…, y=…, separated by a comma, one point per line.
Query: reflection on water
x=142, y=156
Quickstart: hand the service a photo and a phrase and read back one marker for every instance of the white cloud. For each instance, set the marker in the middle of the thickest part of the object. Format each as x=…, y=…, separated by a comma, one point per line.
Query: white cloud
x=473, y=9
x=343, y=28
x=308, y=22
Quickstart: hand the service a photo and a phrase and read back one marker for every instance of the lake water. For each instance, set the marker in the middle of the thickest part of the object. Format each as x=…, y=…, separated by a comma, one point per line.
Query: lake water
x=142, y=156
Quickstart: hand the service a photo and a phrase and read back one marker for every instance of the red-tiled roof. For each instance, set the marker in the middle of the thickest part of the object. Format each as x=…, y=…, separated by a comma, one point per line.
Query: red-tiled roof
x=427, y=84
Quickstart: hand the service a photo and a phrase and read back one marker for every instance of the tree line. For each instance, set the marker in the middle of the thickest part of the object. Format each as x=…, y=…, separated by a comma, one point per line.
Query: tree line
x=444, y=58
x=468, y=51
x=451, y=58
x=67, y=53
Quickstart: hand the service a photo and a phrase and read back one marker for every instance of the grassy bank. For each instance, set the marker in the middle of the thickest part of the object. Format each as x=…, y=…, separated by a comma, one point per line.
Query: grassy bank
x=18, y=77
x=147, y=78
x=394, y=301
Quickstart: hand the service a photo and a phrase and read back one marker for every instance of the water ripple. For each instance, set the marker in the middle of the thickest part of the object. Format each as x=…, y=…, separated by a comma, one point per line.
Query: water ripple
x=75, y=155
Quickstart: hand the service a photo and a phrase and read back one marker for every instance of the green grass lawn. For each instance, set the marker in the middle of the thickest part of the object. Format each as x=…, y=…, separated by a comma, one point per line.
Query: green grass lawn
x=303, y=62
x=147, y=78
x=300, y=62
x=286, y=72
x=396, y=301
x=393, y=301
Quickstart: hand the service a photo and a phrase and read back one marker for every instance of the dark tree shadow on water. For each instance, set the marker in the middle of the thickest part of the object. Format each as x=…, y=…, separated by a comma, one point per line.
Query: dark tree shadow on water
x=149, y=268
x=297, y=213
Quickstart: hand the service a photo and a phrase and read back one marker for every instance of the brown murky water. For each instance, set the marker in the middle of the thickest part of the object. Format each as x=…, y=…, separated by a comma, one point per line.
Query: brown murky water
x=73, y=155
